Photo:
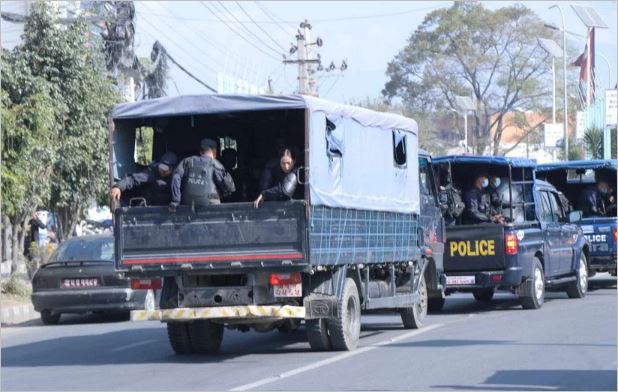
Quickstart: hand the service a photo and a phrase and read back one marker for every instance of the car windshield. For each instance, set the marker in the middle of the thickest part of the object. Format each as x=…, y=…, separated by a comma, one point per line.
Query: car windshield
x=92, y=249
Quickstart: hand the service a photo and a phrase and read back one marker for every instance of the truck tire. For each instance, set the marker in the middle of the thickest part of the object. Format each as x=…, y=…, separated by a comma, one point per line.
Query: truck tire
x=317, y=334
x=179, y=337
x=344, y=330
x=205, y=336
x=532, y=291
x=483, y=295
x=578, y=288
x=49, y=318
x=414, y=316
x=435, y=304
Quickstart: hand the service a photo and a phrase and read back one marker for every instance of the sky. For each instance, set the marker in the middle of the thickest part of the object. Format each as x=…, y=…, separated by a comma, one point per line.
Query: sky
x=366, y=34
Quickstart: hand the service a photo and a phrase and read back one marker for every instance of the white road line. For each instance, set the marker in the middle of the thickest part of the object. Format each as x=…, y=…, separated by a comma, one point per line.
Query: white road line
x=336, y=358
x=129, y=346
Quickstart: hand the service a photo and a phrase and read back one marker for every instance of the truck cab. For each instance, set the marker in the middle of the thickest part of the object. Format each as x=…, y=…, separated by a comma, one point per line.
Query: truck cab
x=573, y=178
x=536, y=249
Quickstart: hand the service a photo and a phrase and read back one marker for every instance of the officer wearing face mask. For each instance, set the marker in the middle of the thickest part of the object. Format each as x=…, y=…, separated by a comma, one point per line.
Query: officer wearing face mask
x=478, y=205
x=591, y=201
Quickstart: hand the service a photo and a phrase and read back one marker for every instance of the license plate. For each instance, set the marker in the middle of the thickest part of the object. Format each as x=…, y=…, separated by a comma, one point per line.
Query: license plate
x=289, y=290
x=79, y=283
x=460, y=280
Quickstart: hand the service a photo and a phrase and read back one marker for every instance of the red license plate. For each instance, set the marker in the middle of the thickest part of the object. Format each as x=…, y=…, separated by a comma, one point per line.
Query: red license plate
x=76, y=283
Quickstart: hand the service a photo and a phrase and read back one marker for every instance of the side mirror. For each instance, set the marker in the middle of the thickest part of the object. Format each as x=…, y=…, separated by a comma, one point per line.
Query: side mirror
x=575, y=216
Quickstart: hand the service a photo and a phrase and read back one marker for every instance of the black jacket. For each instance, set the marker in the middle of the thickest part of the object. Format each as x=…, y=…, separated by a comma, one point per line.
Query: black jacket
x=477, y=207
x=591, y=202
x=223, y=182
x=284, y=188
x=154, y=188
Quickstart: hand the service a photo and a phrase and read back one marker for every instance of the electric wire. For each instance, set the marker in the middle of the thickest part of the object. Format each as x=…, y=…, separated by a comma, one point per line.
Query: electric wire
x=260, y=27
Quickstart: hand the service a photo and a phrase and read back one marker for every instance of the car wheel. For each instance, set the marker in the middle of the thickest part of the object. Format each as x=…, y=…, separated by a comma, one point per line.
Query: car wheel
x=578, y=288
x=532, y=291
x=344, y=329
x=435, y=304
x=317, y=334
x=483, y=295
x=206, y=336
x=414, y=316
x=49, y=318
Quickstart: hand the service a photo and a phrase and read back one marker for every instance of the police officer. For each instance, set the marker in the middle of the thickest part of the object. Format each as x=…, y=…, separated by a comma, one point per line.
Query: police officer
x=591, y=202
x=478, y=205
x=153, y=181
x=201, y=180
x=451, y=204
x=495, y=198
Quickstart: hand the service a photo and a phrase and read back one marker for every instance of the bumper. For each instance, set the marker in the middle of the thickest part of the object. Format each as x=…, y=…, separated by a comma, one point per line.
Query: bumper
x=221, y=312
x=487, y=279
x=88, y=300
x=602, y=262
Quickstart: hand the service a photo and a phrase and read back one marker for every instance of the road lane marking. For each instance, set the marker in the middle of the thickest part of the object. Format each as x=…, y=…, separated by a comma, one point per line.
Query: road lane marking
x=133, y=345
x=336, y=358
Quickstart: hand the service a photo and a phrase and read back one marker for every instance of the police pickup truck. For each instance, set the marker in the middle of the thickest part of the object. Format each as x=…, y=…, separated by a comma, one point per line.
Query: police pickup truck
x=573, y=178
x=537, y=248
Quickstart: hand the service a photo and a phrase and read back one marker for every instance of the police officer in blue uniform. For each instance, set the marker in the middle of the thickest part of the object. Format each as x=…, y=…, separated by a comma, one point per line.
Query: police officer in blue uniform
x=153, y=181
x=201, y=180
x=593, y=200
x=478, y=203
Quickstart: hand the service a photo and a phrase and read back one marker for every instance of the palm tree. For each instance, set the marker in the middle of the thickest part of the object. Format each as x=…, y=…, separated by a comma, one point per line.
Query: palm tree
x=593, y=140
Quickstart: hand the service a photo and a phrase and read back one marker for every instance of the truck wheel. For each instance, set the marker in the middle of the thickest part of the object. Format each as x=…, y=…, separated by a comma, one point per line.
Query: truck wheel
x=483, y=295
x=532, y=291
x=317, y=334
x=414, y=316
x=206, y=336
x=578, y=288
x=49, y=318
x=344, y=330
x=179, y=337
x=435, y=304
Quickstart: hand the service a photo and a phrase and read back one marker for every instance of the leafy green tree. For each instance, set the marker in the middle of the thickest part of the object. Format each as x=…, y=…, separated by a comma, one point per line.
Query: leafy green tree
x=593, y=140
x=468, y=49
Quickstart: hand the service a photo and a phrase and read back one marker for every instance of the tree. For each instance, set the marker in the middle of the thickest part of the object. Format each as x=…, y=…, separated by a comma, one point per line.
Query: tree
x=469, y=50
x=74, y=96
x=593, y=140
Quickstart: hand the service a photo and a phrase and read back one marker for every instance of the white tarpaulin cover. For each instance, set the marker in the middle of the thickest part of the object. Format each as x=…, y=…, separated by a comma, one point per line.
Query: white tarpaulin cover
x=351, y=166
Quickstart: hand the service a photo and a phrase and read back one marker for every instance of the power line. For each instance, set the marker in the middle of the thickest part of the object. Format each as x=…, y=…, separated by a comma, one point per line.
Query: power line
x=246, y=29
x=273, y=17
x=189, y=73
x=260, y=27
x=237, y=33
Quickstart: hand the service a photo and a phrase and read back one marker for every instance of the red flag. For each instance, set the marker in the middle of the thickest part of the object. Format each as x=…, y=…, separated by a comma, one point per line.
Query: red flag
x=582, y=62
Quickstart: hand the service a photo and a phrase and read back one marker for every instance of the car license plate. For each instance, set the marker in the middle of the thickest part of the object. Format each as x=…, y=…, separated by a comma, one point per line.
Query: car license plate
x=460, y=280
x=289, y=290
x=79, y=283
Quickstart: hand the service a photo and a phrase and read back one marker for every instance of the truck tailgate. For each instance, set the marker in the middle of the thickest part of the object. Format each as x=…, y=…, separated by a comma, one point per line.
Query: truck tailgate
x=474, y=248
x=217, y=236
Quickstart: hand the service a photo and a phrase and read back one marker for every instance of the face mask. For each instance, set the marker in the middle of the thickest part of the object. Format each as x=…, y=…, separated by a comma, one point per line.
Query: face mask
x=497, y=182
x=485, y=183
x=604, y=191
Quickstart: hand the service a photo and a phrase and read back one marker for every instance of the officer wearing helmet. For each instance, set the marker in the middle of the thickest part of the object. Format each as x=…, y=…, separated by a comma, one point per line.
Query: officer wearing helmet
x=153, y=181
x=201, y=180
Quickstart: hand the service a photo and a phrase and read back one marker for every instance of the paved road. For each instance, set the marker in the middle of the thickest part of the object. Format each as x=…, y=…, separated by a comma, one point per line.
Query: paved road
x=568, y=344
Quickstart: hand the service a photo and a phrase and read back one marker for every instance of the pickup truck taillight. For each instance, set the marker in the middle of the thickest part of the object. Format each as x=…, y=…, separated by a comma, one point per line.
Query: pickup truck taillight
x=145, y=284
x=615, y=234
x=285, y=279
x=510, y=244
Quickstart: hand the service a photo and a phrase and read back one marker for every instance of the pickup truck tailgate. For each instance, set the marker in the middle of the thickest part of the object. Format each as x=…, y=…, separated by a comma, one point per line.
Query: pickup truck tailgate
x=217, y=236
x=474, y=248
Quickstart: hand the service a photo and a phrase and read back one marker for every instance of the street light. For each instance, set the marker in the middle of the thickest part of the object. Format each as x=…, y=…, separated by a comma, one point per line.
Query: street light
x=564, y=66
x=466, y=105
x=552, y=48
x=609, y=70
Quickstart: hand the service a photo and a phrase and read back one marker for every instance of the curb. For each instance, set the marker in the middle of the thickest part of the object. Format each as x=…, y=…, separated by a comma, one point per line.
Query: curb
x=18, y=314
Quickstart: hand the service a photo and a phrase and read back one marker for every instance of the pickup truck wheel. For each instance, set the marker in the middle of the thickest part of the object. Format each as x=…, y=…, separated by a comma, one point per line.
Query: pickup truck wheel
x=317, y=334
x=49, y=318
x=414, y=316
x=532, y=291
x=344, y=330
x=206, y=336
x=435, y=304
x=578, y=288
x=483, y=295
x=179, y=337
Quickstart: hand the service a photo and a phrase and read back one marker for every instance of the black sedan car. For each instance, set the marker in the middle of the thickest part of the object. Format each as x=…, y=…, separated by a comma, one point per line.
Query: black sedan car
x=80, y=278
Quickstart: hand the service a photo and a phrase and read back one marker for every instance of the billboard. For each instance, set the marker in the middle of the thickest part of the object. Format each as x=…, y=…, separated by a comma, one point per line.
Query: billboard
x=611, y=108
x=553, y=134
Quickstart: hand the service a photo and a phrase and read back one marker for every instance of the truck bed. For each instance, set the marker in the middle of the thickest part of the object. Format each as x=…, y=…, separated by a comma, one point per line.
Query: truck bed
x=474, y=248
x=236, y=235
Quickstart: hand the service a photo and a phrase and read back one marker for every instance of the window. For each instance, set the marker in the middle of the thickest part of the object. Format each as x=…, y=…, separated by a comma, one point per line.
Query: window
x=557, y=211
x=399, y=148
x=545, y=211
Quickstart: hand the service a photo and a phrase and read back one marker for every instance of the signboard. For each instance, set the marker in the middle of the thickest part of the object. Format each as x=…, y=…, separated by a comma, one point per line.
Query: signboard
x=580, y=125
x=611, y=108
x=553, y=134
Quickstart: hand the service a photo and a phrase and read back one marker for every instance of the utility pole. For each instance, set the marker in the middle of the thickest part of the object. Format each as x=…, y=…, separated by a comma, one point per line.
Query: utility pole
x=306, y=59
